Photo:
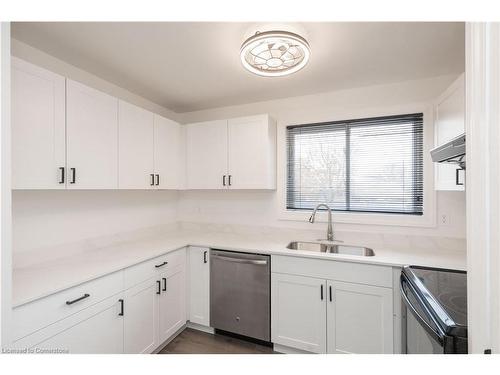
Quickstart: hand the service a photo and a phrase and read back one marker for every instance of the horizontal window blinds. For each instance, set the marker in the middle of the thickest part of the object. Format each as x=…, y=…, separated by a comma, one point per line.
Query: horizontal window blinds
x=364, y=165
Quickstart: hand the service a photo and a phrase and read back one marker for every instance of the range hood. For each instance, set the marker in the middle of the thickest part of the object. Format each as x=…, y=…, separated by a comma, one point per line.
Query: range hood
x=451, y=152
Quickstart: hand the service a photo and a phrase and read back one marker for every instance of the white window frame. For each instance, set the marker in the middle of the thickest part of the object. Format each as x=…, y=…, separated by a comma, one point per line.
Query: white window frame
x=428, y=219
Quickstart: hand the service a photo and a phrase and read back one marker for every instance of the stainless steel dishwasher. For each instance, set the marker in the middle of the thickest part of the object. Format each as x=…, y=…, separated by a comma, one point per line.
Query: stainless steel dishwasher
x=240, y=295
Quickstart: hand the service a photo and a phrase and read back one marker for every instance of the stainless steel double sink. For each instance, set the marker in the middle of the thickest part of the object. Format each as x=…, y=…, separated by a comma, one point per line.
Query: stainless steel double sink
x=334, y=248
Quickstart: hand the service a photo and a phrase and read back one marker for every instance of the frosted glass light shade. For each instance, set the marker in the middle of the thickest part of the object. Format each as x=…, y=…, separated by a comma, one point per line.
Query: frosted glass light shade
x=274, y=53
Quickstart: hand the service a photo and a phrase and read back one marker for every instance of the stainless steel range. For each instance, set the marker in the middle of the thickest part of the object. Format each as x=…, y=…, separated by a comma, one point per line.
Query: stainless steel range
x=436, y=310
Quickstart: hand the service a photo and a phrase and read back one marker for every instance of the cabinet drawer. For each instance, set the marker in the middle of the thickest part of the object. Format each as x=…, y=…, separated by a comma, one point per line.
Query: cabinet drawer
x=333, y=270
x=38, y=314
x=151, y=268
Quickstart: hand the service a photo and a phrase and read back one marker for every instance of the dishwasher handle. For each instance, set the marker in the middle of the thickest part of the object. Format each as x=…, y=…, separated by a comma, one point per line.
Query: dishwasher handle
x=241, y=260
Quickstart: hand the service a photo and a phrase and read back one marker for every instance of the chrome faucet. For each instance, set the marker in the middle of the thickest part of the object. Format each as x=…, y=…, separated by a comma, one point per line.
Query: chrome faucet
x=329, y=232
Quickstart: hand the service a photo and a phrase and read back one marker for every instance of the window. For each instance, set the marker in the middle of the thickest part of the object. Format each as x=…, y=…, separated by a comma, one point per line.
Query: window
x=364, y=165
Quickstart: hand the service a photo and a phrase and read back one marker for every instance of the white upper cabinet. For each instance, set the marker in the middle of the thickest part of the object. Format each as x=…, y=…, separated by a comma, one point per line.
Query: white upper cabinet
x=252, y=153
x=91, y=138
x=168, y=153
x=450, y=123
x=38, y=127
x=238, y=153
x=206, y=150
x=136, y=154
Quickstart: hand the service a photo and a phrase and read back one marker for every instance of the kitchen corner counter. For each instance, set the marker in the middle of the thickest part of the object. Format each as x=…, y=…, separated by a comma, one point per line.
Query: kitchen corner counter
x=37, y=280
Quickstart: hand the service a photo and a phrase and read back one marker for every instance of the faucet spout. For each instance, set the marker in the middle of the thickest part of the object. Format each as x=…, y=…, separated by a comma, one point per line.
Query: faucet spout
x=329, y=232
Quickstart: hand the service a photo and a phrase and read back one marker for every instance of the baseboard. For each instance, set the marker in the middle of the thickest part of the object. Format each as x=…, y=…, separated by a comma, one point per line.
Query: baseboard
x=200, y=327
x=169, y=340
x=288, y=350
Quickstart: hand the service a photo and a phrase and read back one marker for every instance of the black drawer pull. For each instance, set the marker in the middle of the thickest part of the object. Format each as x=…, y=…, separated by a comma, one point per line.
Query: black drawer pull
x=229, y=180
x=73, y=175
x=158, y=284
x=160, y=265
x=157, y=180
x=330, y=287
x=164, y=284
x=322, y=292
x=121, y=307
x=205, y=256
x=61, y=181
x=457, y=177
x=224, y=180
x=152, y=179
x=86, y=295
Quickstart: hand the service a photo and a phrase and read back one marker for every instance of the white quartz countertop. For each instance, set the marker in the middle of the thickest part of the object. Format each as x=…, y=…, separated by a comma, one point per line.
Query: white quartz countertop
x=39, y=279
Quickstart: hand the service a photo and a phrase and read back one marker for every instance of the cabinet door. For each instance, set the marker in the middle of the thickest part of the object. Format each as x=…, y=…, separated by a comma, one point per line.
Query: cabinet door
x=252, y=153
x=360, y=318
x=206, y=153
x=141, y=318
x=135, y=147
x=298, y=308
x=38, y=127
x=168, y=161
x=172, y=302
x=450, y=123
x=91, y=138
x=101, y=333
x=199, y=286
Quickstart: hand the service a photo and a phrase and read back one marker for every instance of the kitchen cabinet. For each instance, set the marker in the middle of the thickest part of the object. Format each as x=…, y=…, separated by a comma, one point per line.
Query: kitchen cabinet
x=172, y=302
x=359, y=318
x=206, y=153
x=298, y=308
x=140, y=318
x=136, y=154
x=91, y=138
x=237, y=153
x=199, y=285
x=38, y=127
x=168, y=153
x=450, y=123
x=100, y=333
x=252, y=153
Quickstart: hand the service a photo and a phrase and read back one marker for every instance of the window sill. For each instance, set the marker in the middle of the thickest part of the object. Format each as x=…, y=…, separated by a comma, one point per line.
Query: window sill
x=362, y=218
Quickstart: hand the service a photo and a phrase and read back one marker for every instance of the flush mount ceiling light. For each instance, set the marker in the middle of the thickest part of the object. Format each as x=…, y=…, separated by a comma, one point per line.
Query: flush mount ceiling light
x=274, y=53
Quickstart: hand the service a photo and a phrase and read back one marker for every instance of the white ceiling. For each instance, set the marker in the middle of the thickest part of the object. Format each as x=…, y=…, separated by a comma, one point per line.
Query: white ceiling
x=194, y=65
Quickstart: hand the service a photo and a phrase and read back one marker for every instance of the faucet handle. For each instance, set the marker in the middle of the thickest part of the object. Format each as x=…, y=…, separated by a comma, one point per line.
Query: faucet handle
x=311, y=218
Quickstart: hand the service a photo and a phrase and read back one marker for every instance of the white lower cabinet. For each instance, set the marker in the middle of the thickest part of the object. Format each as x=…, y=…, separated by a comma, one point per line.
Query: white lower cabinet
x=359, y=318
x=298, y=312
x=199, y=285
x=140, y=313
x=99, y=333
x=325, y=316
x=172, y=302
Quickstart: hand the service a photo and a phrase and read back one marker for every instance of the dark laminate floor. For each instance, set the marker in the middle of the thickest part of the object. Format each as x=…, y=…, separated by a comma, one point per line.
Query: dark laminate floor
x=191, y=341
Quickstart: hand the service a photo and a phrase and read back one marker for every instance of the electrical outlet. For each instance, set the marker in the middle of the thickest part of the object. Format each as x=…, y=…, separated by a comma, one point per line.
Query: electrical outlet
x=445, y=219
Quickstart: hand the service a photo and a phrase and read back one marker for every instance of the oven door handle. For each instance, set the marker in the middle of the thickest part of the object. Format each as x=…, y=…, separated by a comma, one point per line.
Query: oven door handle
x=437, y=333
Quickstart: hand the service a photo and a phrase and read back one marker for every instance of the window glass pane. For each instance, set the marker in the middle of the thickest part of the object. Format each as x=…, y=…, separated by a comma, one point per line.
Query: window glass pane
x=366, y=165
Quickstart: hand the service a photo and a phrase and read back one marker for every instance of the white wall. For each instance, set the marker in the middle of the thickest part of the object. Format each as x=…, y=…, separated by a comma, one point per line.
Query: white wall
x=264, y=208
x=53, y=217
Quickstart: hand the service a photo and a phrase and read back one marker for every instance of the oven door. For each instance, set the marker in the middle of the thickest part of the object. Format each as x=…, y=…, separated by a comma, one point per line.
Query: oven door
x=423, y=334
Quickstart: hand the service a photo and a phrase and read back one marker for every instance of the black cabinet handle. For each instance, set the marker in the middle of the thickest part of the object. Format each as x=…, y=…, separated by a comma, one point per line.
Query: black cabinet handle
x=229, y=180
x=322, y=292
x=61, y=181
x=205, y=256
x=121, y=307
x=158, y=284
x=160, y=265
x=457, y=176
x=330, y=290
x=224, y=180
x=164, y=284
x=73, y=175
x=152, y=179
x=157, y=180
x=86, y=295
